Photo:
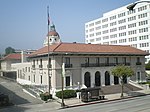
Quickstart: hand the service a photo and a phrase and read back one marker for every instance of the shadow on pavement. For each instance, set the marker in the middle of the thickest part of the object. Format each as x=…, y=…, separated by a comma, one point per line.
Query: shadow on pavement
x=13, y=97
x=13, y=109
x=135, y=93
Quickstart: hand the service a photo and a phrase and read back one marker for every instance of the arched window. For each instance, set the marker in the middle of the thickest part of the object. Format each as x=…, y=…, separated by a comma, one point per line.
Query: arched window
x=107, y=78
x=87, y=79
x=97, y=79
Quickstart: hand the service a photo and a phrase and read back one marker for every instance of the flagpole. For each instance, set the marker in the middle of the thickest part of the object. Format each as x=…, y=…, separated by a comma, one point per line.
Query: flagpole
x=49, y=77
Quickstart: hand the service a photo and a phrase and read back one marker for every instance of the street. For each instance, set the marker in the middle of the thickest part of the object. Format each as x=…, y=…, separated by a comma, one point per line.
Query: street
x=138, y=104
x=25, y=103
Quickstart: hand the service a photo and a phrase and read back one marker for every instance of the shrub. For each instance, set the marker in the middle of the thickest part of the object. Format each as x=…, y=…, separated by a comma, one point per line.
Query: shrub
x=144, y=83
x=67, y=94
x=45, y=96
x=147, y=66
x=78, y=90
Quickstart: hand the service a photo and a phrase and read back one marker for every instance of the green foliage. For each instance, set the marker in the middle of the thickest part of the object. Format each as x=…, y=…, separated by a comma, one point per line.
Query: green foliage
x=78, y=90
x=147, y=66
x=144, y=83
x=9, y=50
x=0, y=56
x=45, y=96
x=121, y=71
x=67, y=94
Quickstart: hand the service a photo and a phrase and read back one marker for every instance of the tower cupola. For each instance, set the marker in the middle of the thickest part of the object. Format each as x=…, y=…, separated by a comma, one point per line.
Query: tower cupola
x=53, y=36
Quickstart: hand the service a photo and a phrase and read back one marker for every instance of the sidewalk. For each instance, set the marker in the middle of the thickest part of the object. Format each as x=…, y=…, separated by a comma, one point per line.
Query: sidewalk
x=74, y=102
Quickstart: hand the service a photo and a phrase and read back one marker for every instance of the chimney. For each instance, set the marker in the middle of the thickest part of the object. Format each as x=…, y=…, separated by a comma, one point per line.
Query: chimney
x=23, y=57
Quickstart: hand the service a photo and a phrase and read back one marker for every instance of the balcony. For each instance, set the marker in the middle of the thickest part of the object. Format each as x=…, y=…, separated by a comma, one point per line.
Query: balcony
x=138, y=63
x=40, y=66
x=49, y=66
x=68, y=65
x=103, y=64
x=33, y=66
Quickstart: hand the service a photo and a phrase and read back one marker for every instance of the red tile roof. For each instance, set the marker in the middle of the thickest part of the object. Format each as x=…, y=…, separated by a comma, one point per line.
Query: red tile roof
x=53, y=33
x=89, y=49
x=12, y=57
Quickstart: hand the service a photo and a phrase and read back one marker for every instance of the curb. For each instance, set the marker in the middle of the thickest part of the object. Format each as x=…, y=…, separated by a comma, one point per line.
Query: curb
x=118, y=99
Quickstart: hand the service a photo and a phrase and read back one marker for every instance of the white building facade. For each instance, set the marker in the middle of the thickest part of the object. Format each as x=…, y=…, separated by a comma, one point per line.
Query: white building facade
x=122, y=27
x=6, y=65
x=86, y=65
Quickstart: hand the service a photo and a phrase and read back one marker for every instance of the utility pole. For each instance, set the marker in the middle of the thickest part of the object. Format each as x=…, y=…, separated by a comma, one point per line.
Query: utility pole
x=48, y=66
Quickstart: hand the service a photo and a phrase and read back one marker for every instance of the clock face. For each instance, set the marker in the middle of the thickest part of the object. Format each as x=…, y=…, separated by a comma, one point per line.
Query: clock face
x=53, y=40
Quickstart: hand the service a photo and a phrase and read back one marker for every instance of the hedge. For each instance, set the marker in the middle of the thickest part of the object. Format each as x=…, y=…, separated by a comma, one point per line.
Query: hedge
x=67, y=94
x=144, y=83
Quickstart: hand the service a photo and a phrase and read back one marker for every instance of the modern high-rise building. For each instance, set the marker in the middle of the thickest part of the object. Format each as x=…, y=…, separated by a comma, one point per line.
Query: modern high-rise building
x=122, y=27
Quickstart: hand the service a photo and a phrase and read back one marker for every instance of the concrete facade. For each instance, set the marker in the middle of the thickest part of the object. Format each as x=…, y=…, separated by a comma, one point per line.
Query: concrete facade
x=76, y=70
x=122, y=27
x=86, y=65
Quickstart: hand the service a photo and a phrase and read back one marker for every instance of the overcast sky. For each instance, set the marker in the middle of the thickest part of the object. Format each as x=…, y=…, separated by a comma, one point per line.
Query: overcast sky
x=23, y=23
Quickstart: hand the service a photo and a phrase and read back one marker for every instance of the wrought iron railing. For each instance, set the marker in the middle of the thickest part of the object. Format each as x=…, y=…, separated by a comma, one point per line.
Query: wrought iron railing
x=103, y=64
x=68, y=65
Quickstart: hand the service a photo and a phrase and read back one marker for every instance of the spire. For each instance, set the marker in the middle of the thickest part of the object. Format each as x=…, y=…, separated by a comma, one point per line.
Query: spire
x=52, y=27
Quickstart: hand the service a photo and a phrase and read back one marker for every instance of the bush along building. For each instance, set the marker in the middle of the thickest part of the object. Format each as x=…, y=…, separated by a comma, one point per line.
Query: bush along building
x=86, y=65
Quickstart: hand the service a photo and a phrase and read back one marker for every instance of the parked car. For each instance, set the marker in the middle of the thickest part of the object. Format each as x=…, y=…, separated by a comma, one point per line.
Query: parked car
x=4, y=99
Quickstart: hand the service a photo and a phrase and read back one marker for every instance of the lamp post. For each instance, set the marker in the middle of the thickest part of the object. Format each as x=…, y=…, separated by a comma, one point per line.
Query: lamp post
x=131, y=7
x=63, y=75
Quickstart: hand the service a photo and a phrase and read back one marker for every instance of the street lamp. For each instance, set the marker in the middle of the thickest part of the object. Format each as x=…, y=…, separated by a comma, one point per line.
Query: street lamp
x=62, y=77
x=131, y=7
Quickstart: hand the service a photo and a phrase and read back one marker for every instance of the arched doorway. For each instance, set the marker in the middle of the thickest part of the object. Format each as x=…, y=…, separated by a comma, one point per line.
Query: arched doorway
x=87, y=79
x=97, y=79
x=116, y=80
x=107, y=78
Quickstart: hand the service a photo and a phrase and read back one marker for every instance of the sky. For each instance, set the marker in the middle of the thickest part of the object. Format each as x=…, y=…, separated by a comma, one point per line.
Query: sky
x=23, y=23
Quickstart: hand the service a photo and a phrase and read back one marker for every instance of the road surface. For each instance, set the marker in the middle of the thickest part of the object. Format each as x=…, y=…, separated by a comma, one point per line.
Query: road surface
x=138, y=104
x=26, y=103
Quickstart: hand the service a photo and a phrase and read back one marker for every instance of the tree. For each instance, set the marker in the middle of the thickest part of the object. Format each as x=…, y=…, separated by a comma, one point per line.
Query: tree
x=122, y=71
x=147, y=66
x=9, y=50
x=0, y=56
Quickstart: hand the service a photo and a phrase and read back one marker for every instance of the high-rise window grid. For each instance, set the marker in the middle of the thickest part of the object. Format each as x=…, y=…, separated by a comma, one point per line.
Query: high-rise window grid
x=132, y=39
x=143, y=30
x=143, y=37
x=144, y=44
x=142, y=15
x=142, y=8
x=145, y=22
x=132, y=18
x=130, y=25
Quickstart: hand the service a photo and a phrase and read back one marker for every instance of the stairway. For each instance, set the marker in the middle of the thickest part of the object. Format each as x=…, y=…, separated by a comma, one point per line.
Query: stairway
x=113, y=89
